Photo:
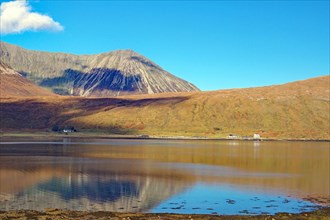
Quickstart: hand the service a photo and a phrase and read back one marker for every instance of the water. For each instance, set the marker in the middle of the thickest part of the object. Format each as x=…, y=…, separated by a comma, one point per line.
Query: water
x=209, y=177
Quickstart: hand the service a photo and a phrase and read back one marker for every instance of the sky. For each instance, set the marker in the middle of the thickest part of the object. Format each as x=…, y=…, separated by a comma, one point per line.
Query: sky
x=212, y=44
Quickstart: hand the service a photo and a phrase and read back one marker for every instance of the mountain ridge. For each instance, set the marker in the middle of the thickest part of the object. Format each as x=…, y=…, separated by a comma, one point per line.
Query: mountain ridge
x=128, y=72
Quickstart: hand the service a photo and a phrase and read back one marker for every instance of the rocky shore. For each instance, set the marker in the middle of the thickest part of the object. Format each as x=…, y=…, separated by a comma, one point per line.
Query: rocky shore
x=55, y=214
x=5, y=135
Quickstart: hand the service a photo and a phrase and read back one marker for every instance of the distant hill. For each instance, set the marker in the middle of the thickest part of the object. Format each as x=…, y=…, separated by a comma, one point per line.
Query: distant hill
x=14, y=84
x=294, y=110
x=114, y=73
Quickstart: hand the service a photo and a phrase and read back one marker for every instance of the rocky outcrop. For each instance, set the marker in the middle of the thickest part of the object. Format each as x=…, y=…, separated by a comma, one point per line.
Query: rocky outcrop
x=108, y=74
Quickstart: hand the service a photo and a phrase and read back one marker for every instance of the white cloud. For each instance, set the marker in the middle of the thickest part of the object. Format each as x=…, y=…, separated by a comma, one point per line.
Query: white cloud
x=16, y=17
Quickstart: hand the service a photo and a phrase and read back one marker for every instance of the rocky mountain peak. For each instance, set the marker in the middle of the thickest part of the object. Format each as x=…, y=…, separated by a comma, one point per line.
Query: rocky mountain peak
x=113, y=73
x=124, y=53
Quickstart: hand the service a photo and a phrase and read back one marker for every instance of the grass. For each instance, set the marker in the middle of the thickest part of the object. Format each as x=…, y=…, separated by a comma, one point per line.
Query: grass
x=294, y=110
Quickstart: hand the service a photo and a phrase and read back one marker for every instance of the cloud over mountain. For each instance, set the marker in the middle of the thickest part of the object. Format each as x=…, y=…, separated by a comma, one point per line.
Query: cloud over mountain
x=17, y=16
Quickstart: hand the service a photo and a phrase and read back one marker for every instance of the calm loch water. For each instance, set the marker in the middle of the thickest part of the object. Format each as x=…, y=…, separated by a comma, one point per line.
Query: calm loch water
x=213, y=177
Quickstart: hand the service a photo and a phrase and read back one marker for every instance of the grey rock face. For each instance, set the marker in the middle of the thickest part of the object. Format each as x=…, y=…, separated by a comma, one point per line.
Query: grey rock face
x=108, y=74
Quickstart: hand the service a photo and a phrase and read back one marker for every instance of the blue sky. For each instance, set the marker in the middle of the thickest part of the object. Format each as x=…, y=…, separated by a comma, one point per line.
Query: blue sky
x=213, y=44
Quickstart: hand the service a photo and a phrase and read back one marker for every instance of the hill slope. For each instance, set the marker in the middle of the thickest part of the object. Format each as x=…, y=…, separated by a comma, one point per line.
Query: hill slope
x=294, y=110
x=108, y=74
x=14, y=84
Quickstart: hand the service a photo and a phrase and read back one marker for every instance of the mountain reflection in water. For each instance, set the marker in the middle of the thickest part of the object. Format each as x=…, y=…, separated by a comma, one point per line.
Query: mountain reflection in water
x=94, y=189
x=88, y=192
x=155, y=175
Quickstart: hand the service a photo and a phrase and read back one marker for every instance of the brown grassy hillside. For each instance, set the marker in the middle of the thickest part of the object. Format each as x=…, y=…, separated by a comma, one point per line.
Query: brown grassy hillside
x=14, y=84
x=293, y=110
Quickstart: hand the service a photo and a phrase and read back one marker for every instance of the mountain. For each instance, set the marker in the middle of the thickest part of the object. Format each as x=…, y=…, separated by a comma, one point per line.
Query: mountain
x=114, y=73
x=14, y=84
x=118, y=194
x=294, y=110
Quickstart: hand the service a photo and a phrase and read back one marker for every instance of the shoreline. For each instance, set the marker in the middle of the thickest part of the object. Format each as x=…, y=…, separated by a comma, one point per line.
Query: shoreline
x=56, y=214
x=40, y=134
